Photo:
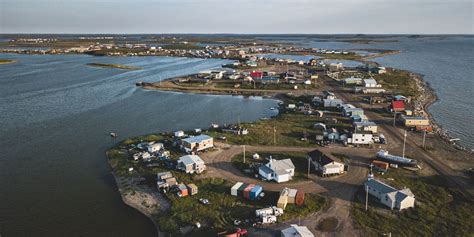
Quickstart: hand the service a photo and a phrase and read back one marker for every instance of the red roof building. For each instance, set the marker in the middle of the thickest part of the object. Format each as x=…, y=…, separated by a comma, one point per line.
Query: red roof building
x=256, y=75
x=398, y=106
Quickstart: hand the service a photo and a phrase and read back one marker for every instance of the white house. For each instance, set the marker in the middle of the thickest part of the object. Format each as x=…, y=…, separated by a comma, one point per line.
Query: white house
x=278, y=170
x=389, y=196
x=365, y=127
x=370, y=83
x=325, y=164
x=363, y=138
x=296, y=231
x=154, y=147
x=191, y=164
x=332, y=102
x=179, y=134
x=197, y=143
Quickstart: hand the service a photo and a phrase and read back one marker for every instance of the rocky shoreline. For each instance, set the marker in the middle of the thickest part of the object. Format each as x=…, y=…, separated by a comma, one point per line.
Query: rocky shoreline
x=427, y=98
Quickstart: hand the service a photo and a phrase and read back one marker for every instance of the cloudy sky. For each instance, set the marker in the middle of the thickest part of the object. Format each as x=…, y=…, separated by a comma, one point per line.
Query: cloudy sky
x=237, y=16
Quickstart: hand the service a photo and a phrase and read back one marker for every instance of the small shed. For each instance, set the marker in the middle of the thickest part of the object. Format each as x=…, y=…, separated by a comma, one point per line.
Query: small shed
x=292, y=195
x=299, y=200
x=182, y=190
x=192, y=189
x=233, y=190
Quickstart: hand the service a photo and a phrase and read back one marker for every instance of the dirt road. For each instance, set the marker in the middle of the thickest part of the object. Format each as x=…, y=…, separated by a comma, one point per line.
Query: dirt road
x=339, y=190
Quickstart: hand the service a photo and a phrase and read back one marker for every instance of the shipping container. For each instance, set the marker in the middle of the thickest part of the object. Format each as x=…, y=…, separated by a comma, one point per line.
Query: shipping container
x=292, y=195
x=299, y=200
x=247, y=191
x=282, y=202
x=233, y=190
x=380, y=165
x=240, y=190
x=255, y=192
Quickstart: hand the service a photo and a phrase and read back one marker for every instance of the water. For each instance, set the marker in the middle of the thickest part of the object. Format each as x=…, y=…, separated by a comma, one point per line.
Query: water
x=446, y=62
x=55, y=117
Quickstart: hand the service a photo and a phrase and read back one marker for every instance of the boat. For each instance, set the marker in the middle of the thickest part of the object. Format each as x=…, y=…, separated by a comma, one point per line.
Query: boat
x=384, y=155
x=112, y=134
x=273, y=108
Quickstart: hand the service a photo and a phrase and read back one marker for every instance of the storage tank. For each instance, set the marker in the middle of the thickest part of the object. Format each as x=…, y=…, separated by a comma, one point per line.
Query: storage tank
x=299, y=200
x=233, y=190
x=255, y=192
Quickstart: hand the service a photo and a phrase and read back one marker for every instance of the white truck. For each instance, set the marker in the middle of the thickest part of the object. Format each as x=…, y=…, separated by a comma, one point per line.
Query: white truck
x=275, y=211
x=269, y=219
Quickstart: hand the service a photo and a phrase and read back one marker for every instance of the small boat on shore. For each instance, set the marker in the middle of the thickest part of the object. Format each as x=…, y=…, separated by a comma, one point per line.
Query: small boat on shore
x=112, y=134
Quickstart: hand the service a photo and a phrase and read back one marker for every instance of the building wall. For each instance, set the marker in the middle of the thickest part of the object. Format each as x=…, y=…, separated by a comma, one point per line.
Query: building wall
x=416, y=122
x=406, y=203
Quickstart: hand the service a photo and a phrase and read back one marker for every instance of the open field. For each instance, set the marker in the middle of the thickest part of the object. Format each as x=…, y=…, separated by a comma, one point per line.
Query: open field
x=440, y=210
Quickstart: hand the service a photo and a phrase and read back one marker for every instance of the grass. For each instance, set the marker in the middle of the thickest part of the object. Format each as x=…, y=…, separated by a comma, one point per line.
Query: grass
x=440, y=210
x=223, y=208
x=397, y=81
x=298, y=159
x=118, y=66
x=290, y=129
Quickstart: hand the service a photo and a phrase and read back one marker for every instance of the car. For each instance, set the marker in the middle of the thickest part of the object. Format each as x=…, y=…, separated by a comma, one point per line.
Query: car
x=204, y=201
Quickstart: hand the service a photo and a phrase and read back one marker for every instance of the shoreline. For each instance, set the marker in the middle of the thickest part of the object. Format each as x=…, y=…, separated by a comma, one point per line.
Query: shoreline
x=428, y=98
x=135, y=204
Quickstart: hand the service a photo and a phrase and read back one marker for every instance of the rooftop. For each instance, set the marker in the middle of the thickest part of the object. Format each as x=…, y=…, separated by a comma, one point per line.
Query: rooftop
x=190, y=159
x=196, y=139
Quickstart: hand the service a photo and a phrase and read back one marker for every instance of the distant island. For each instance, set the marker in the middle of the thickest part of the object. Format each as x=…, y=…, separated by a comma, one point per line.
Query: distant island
x=7, y=61
x=119, y=66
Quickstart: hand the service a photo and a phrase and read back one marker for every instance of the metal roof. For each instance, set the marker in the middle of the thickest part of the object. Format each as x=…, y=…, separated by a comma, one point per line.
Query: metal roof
x=197, y=139
x=380, y=186
x=190, y=159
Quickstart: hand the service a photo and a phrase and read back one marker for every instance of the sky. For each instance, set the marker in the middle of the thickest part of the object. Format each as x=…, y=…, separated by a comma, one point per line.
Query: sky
x=238, y=16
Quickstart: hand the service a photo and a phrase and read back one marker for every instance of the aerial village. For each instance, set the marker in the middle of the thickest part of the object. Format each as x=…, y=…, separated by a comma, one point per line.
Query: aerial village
x=339, y=131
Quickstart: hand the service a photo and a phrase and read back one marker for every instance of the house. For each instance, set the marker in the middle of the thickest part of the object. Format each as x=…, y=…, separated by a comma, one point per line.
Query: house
x=320, y=126
x=332, y=134
x=364, y=138
x=335, y=67
x=397, y=106
x=191, y=164
x=359, y=118
x=365, y=127
x=415, y=121
x=179, y=134
x=278, y=170
x=296, y=231
x=332, y=103
x=256, y=75
x=154, y=147
x=352, y=111
x=389, y=196
x=370, y=83
x=165, y=180
x=325, y=164
x=197, y=143
x=352, y=81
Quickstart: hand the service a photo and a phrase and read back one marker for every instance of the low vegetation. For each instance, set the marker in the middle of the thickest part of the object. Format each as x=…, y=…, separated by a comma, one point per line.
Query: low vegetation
x=397, y=81
x=440, y=210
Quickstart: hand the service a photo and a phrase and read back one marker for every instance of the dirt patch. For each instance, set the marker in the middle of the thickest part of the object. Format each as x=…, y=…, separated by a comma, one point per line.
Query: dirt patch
x=328, y=224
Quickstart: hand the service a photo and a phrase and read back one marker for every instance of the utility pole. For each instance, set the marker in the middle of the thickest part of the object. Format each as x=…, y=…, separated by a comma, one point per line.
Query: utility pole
x=366, y=196
x=274, y=135
x=244, y=154
x=238, y=120
x=309, y=166
x=424, y=138
x=394, y=115
x=404, y=142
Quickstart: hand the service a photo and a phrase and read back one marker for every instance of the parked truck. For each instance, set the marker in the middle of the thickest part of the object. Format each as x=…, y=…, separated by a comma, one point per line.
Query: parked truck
x=269, y=219
x=275, y=211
